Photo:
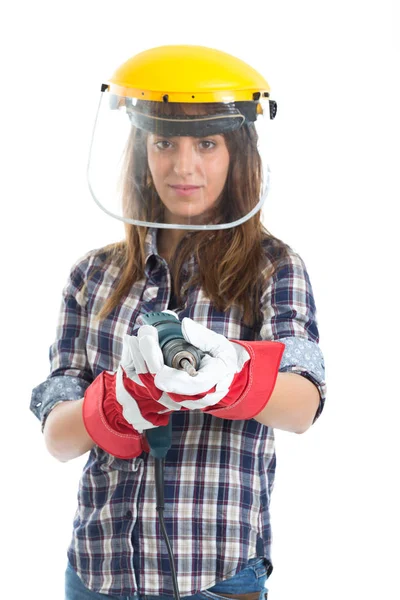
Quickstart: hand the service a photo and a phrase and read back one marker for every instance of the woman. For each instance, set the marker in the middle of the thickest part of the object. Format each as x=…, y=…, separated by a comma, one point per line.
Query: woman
x=190, y=195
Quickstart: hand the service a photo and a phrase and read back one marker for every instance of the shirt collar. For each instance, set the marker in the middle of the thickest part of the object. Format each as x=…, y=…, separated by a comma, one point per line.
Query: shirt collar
x=150, y=243
x=151, y=250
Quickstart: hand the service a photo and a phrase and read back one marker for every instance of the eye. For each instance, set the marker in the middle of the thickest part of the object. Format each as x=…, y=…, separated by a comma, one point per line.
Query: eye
x=163, y=144
x=207, y=144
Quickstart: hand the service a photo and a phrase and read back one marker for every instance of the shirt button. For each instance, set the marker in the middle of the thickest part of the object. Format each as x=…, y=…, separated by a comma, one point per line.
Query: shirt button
x=129, y=514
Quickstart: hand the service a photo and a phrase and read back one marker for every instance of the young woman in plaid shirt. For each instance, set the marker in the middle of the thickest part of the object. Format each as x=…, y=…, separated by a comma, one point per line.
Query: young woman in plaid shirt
x=192, y=188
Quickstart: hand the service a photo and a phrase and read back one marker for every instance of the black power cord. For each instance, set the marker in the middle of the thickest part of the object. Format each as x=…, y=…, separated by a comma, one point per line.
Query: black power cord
x=159, y=481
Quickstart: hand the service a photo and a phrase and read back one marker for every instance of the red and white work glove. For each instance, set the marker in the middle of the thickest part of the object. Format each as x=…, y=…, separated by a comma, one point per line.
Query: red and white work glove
x=118, y=408
x=235, y=379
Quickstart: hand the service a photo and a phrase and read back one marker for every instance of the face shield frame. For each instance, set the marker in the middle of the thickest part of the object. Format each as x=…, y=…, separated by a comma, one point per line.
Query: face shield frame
x=218, y=118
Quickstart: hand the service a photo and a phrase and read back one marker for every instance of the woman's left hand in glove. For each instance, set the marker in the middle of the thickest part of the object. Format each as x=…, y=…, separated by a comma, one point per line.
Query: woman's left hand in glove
x=235, y=379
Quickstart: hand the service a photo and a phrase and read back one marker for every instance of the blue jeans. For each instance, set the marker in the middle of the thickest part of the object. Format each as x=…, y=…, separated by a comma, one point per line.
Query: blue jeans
x=251, y=579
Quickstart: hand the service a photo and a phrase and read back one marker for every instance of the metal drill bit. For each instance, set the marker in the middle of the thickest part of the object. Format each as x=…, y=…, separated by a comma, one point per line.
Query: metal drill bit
x=188, y=367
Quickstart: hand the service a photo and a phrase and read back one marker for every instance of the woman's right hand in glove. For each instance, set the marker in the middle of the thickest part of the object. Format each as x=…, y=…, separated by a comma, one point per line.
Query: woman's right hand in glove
x=118, y=408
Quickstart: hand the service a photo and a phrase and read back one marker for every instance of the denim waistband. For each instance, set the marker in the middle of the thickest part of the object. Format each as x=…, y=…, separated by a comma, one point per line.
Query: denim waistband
x=250, y=579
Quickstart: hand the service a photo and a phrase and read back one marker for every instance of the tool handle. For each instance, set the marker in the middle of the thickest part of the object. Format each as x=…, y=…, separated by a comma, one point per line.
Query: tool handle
x=160, y=439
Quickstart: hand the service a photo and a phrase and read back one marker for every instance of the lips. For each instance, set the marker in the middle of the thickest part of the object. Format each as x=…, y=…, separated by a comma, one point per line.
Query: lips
x=185, y=190
x=185, y=187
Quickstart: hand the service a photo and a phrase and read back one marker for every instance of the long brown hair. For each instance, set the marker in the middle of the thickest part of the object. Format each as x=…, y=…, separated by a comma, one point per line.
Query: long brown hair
x=229, y=261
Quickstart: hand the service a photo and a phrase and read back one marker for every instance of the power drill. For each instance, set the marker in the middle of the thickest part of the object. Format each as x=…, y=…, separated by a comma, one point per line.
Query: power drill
x=178, y=354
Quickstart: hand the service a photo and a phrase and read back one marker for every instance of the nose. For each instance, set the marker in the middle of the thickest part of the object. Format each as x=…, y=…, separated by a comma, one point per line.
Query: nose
x=185, y=158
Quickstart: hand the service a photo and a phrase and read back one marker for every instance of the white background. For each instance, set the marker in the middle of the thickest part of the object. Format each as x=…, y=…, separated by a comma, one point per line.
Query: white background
x=333, y=69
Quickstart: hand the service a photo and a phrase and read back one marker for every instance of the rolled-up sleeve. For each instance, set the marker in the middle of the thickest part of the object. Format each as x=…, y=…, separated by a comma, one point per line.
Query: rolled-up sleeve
x=289, y=315
x=70, y=372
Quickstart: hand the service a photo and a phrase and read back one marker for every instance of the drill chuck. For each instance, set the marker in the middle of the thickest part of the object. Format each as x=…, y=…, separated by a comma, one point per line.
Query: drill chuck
x=177, y=352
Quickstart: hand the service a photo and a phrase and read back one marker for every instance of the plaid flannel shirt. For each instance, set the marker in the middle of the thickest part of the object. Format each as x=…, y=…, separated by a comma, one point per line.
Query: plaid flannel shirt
x=219, y=474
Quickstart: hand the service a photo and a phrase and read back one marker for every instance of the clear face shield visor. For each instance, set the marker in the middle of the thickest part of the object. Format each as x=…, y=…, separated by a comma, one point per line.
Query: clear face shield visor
x=179, y=165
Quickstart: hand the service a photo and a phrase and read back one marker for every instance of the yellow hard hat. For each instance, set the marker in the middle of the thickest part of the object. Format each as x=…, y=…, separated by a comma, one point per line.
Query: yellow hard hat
x=189, y=74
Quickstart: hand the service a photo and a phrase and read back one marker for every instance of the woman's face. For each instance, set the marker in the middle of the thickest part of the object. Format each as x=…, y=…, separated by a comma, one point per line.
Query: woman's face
x=189, y=174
